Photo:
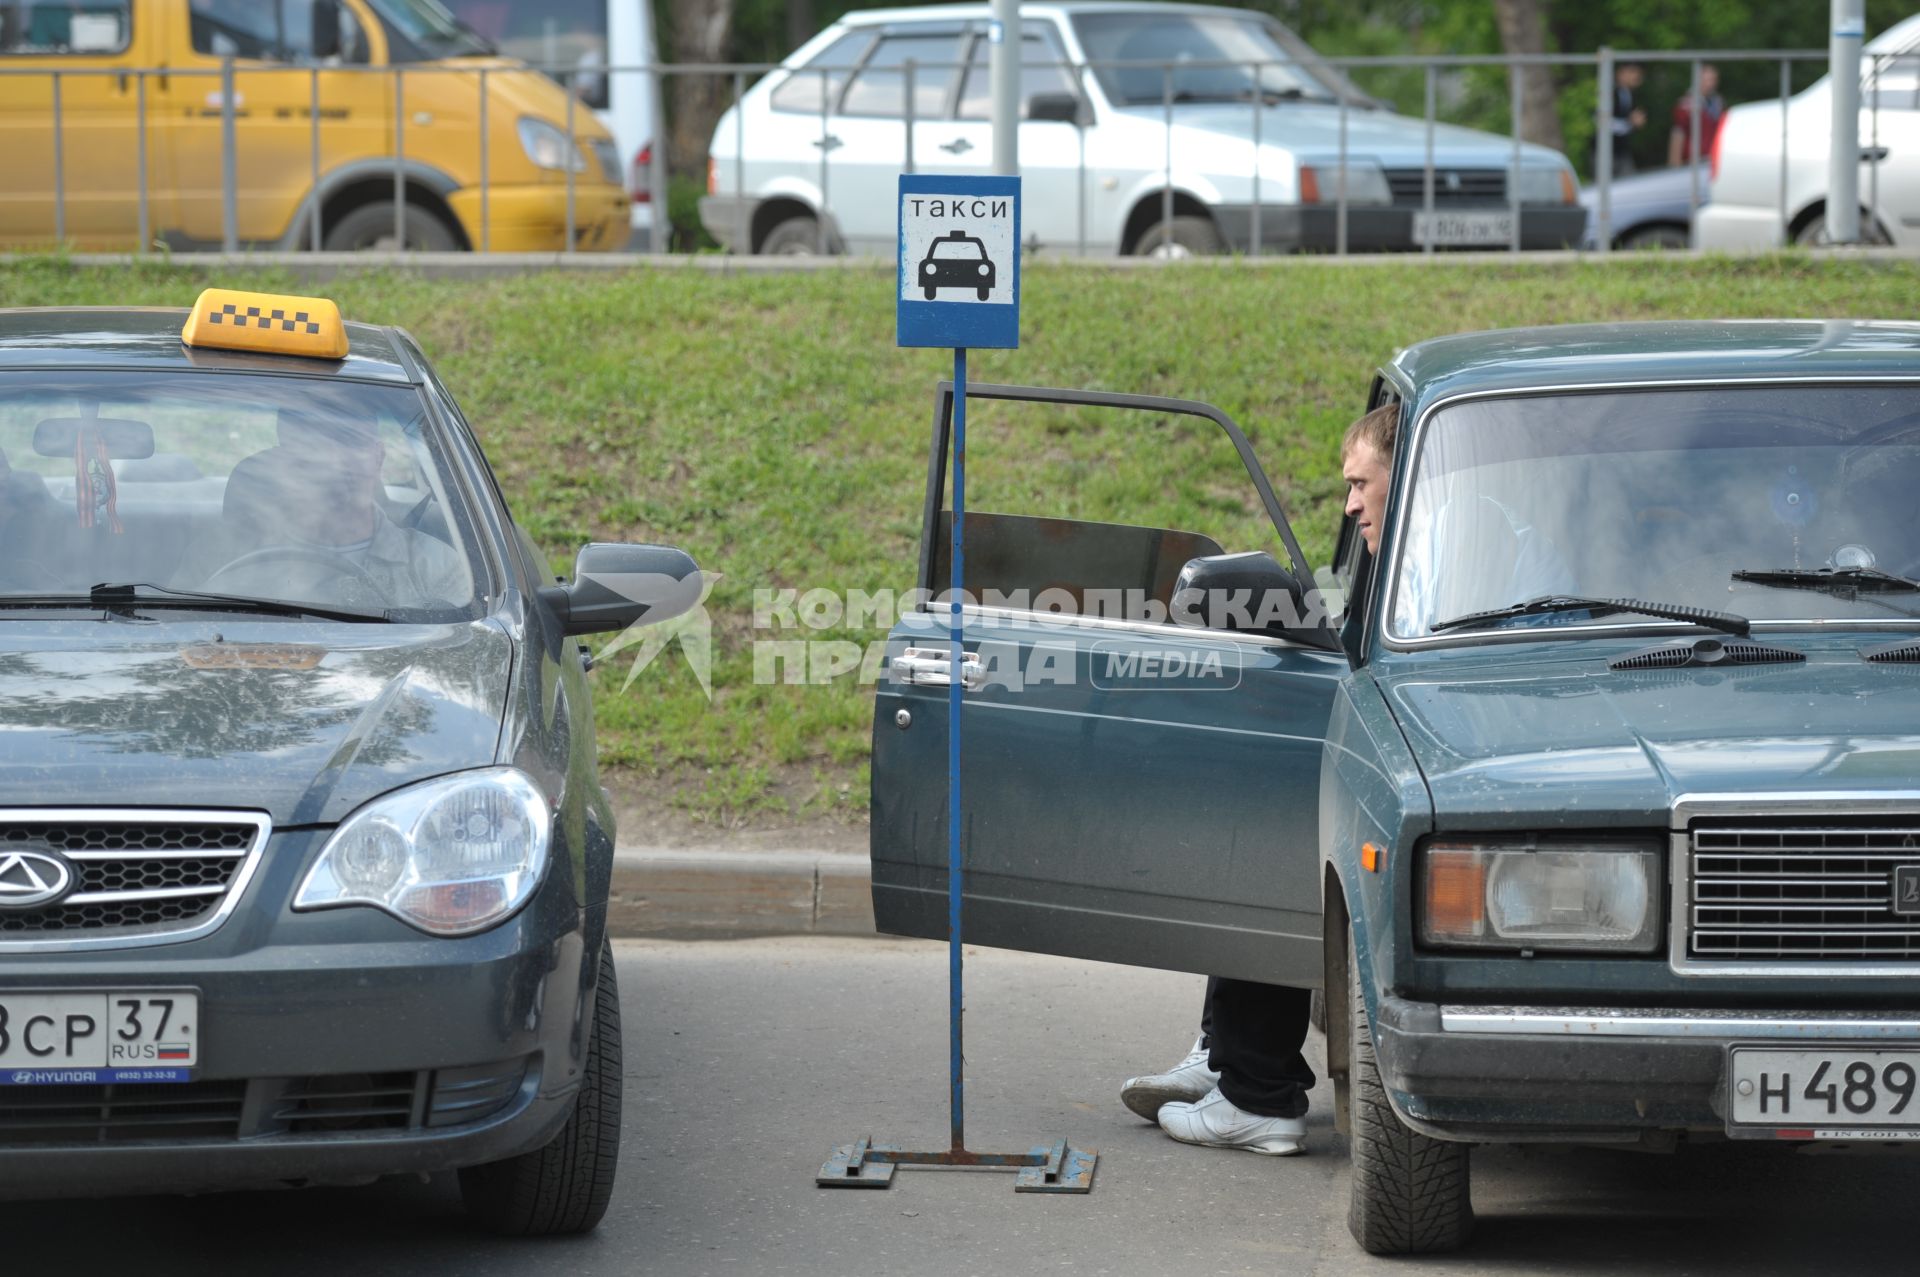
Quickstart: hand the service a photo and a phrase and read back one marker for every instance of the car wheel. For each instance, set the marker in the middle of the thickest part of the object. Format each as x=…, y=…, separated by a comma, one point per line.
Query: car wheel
x=565, y=1186
x=1183, y=237
x=1656, y=237
x=982, y=293
x=369, y=228
x=1409, y=1191
x=930, y=292
x=795, y=237
x=1814, y=233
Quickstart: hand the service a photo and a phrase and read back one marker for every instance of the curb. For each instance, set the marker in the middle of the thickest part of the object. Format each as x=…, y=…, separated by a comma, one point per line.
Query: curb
x=698, y=892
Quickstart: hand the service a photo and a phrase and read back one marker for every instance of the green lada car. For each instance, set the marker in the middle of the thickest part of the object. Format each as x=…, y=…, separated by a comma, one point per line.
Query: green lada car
x=1593, y=801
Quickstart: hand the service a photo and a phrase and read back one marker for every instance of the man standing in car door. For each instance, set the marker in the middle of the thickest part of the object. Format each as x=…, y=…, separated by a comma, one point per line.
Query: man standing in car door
x=1244, y=1085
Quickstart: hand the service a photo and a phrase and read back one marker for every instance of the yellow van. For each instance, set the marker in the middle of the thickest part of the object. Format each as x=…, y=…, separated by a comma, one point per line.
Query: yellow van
x=388, y=76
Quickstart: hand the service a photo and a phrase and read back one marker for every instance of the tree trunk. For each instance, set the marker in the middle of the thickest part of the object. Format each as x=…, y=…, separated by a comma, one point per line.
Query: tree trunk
x=1522, y=31
x=701, y=31
x=803, y=22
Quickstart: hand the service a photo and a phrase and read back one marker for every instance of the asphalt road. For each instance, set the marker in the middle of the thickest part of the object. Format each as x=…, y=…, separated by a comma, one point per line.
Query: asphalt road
x=748, y=1060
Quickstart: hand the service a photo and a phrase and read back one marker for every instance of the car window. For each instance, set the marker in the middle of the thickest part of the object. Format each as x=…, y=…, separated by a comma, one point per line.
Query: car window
x=969, y=249
x=1155, y=37
x=827, y=69
x=34, y=27
x=881, y=86
x=1042, y=70
x=272, y=30
x=1661, y=496
x=313, y=491
x=1892, y=80
x=567, y=39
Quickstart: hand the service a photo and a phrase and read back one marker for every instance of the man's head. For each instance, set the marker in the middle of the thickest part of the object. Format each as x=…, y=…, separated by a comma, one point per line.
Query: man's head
x=1366, y=464
x=1709, y=79
x=1629, y=75
x=337, y=466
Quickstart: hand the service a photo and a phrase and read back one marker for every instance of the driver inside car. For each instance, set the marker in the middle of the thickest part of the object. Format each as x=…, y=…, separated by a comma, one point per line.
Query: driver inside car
x=304, y=519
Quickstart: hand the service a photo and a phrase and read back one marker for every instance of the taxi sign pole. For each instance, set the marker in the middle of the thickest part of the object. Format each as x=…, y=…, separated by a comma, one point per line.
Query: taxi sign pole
x=960, y=234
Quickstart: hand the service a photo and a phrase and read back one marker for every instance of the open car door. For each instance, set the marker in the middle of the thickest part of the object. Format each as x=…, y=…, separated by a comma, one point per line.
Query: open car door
x=1141, y=783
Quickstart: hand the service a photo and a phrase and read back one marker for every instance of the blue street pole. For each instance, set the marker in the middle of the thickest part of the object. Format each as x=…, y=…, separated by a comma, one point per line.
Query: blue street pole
x=955, y=687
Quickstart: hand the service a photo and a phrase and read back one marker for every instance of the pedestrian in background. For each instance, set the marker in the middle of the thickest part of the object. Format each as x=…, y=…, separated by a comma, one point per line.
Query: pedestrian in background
x=1627, y=116
x=1709, y=105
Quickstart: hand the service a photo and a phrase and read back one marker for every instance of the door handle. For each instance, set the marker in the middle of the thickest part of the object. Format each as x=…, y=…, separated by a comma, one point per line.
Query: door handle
x=1872, y=154
x=827, y=143
x=959, y=146
x=933, y=667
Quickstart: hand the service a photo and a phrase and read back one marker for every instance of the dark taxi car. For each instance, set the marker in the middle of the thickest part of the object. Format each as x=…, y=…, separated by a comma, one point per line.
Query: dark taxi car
x=958, y=260
x=303, y=859
x=1597, y=808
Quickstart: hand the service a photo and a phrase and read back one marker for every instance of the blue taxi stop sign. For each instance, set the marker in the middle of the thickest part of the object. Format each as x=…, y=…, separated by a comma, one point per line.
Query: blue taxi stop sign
x=958, y=285
x=959, y=268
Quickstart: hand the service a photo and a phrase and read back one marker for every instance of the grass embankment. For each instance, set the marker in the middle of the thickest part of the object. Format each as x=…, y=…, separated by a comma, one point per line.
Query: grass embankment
x=769, y=426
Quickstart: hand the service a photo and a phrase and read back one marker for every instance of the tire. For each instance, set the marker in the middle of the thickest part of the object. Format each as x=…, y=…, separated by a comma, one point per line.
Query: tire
x=982, y=293
x=796, y=237
x=370, y=227
x=930, y=292
x=565, y=1186
x=1184, y=237
x=1814, y=233
x=1409, y=1191
x=1656, y=237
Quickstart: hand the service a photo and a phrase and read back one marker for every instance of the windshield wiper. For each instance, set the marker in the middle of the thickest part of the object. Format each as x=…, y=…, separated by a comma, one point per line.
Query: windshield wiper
x=128, y=593
x=1725, y=622
x=1846, y=582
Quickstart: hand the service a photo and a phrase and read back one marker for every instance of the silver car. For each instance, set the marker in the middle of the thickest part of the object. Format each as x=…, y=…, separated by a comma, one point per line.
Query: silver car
x=807, y=161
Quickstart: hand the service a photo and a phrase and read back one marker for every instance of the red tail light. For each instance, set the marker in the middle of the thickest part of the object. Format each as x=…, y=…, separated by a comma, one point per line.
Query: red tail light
x=640, y=178
x=1719, y=140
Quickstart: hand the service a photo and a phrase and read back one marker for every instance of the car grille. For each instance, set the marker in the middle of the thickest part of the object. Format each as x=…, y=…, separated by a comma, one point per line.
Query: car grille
x=609, y=156
x=223, y=1111
x=1452, y=187
x=1804, y=892
x=138, y=875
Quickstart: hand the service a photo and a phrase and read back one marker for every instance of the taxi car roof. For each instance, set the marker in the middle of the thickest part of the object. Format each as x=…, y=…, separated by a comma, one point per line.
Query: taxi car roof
x=148, y=337
x=1580, y=355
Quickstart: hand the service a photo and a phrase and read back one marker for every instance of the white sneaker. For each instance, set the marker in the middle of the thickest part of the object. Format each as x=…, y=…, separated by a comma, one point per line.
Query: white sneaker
x=1186, y=1081
x=1214, y=1121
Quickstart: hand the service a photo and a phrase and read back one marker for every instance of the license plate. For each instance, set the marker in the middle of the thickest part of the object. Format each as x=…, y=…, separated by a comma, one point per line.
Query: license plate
x=1831, y=1093
x=134, y=1035
x=1454, y=229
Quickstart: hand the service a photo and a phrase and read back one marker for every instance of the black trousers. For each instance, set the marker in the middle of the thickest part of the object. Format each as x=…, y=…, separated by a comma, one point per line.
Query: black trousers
x=1254, y=1033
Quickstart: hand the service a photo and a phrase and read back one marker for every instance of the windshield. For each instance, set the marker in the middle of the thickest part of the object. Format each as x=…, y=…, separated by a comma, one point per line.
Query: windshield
x=963, y=249
x=294, y=489
x=428, y=24
x=1176, y=38
x=1662, y=496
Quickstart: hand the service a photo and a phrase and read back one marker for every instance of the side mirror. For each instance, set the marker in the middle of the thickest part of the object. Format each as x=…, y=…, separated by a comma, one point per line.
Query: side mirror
x=1250, y=593
x=615, y=586
x=1064, y=108
x=325, y=30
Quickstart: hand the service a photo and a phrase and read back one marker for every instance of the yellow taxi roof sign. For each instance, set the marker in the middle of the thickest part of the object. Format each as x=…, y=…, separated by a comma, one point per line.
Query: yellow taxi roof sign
x=270, y=323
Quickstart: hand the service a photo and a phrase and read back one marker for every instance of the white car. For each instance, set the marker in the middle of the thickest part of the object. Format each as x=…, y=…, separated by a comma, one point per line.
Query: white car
x=1745, y=212
x=825, y=137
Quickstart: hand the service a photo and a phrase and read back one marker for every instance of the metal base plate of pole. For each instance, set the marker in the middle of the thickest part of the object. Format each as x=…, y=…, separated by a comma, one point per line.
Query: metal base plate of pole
x=1047, y=1168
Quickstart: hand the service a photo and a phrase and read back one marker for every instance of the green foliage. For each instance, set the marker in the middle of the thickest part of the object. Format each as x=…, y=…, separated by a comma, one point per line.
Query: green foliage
x=767, y=423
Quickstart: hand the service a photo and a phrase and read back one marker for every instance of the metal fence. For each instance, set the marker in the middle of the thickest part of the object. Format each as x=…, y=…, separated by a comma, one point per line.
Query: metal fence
x=325, y=148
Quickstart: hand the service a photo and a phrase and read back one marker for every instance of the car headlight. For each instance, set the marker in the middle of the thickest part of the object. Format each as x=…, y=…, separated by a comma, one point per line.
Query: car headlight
x=1366, y=183
x=451, y=856
x=931, y=268
x=1542, y=895
x=1539, y=184
x=547, y=146
x=983, y=268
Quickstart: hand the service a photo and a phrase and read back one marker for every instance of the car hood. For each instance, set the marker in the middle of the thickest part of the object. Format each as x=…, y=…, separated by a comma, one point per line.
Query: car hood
x=518, y=87
x=1571, y=745
x=304, y=721
x=1313, y=129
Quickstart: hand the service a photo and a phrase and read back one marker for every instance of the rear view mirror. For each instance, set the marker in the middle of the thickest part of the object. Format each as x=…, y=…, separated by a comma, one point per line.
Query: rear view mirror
x=325, y=30
x=615, y=586
x=125, y=440
x=1250, y=593
x=1061, y=107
